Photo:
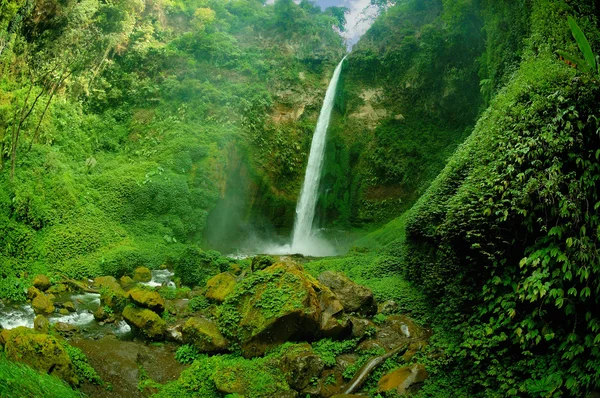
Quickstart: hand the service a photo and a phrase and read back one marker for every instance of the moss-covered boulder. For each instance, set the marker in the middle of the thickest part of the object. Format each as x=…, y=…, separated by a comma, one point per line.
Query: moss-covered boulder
x=126, y=282
x=41, y=352
x=69, y=306
x=220, y=286
x=147, y=298
x=401, y=380
x=354, y=297
x=142, y=274
x=272, y=306
x=251, y=378
x=261, y=262
x=42, y=304
x=41, y=324
x=111, y=293
x=204, y=335
x=301, y=365
x=145, y=322
x=32, y=292
x=41, y=282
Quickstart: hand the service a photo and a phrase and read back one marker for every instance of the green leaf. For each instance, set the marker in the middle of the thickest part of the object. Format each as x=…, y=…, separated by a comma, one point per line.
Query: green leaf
x=572, y=60
x=583, y=44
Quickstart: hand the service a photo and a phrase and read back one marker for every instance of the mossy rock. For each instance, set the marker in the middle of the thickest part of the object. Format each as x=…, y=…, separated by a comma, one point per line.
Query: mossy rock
x=301, y=365
x=261, y=262
x=145, y=322
x=354, y=297
x=40, y=351
x=126, y=282
x=41, y=282
x=272, y=306
x=111, y=293
x=147, y=299
x=42, y=304
x=33, y=292
x=41, y=324
x=220, y=286
x=58, y=288
x=250, y=378
x=142, y=274
x=204, y=335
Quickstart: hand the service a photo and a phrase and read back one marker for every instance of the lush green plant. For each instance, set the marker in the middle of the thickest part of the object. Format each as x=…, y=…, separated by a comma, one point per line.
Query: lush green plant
x=589, y=63
x=198, y=303
x=187, y=354
x=328, y=349
x=18, y=380
x=82, y=367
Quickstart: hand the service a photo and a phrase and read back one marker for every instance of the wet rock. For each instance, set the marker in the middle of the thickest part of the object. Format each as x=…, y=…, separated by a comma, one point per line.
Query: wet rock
x=362, y=327
x=111, y=293
x=57, y=289
x=388, y=307
x=69, y=306
x=301, y=365
x=204, y=335
x=261, y=262
x=220, y=286
x=332, y=320
x=126, y=282
x=101, y=314
x=41, y=352
x=65, y=329
x=342, y=362
x=332, y=382
x=147, y=299
x=41, y=324
x=145, y=321
x=372, y=345
x=41, y=282
x=272, y=306
x=402, y=379
x=404, y=326
x=33, y=292
x=354, y=297
x=42, y=304
x=173, y=333
x=63, y=311
x=142, y=274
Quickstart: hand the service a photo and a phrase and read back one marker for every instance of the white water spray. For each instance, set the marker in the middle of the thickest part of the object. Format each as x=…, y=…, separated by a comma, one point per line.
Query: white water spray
x=304, y=240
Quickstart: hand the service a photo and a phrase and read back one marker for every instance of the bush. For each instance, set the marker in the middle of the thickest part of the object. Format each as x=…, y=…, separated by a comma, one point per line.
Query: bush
x=195, y=266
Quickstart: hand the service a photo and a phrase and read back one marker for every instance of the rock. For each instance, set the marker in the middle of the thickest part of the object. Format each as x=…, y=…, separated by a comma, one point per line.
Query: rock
x=33, y=292
x=220, y=286
x=332, y=321
x=63, y=311
x=362, y=327
x=261, y=262
x=100, y=314
x=146, y=321
x=354, y=297
x=272, y=306
x=412, y=350
x=301, y=365
x=404, y=326
x=142, y=274
x=402, y=379
x=347, y=396
x=238, y=378
x=41, y=352
x=42, y=304
x=69, y=306
x=58, y=288
x=111, y=293
x=342, y=362
x=332, y=382
x=41, y=324
x=173, y=333
x=147, y=299
x=204, y=335
x=126, y=282
x=41, y=282
x=65, y=329
x=388, y=307
x=372, y=345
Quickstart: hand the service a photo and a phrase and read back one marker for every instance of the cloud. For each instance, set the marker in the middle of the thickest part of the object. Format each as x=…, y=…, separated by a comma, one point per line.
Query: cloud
x=358, y=20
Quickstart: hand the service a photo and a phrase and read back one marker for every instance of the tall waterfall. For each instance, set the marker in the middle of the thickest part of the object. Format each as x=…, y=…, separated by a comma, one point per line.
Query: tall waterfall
x=303, y=240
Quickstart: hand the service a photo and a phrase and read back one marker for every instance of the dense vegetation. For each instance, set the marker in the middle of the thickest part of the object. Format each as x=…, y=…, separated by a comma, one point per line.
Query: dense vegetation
x=136, y=133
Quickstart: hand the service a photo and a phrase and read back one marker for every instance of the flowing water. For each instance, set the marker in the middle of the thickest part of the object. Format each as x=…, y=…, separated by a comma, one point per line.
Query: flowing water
x=305, y=240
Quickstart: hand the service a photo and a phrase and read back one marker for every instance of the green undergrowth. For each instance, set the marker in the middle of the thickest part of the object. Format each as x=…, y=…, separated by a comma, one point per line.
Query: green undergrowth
x=18, y=380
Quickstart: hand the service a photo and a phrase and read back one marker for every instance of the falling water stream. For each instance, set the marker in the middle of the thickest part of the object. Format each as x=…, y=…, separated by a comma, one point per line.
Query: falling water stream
x=304, y=240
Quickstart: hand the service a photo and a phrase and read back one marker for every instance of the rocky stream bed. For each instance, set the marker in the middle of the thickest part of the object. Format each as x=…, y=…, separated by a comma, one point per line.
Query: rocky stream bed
x=318, y=337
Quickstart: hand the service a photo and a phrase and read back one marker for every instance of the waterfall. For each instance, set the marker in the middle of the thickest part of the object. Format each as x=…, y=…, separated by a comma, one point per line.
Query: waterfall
x=303, y=240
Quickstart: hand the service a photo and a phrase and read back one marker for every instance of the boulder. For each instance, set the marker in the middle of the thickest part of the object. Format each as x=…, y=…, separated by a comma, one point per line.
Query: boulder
x=405, y=326
x=332, y=321
x=101, y=314
x=142, y=274
x=111, y=293
x=301, y=365
x=41, y=282
x=126, y=282
x=400, y=380
x=69, y=306
x=42, y=304
x=342, y=362
x=63, y=311
x=332, y=382
x=272, y=306
x=41, y=352
x=204, y=335
x=354, y=297
x=58, y=288
x=220, y=286
x=33, y=292
x=261, y=262
x=41, y=324
x=388, y=307
x=65, y=329
x=362, y=327
x=145, y=322
x=147, y=299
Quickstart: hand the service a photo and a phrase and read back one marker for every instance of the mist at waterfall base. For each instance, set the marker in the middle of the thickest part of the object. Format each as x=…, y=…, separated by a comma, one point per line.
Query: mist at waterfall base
x=261, y=237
